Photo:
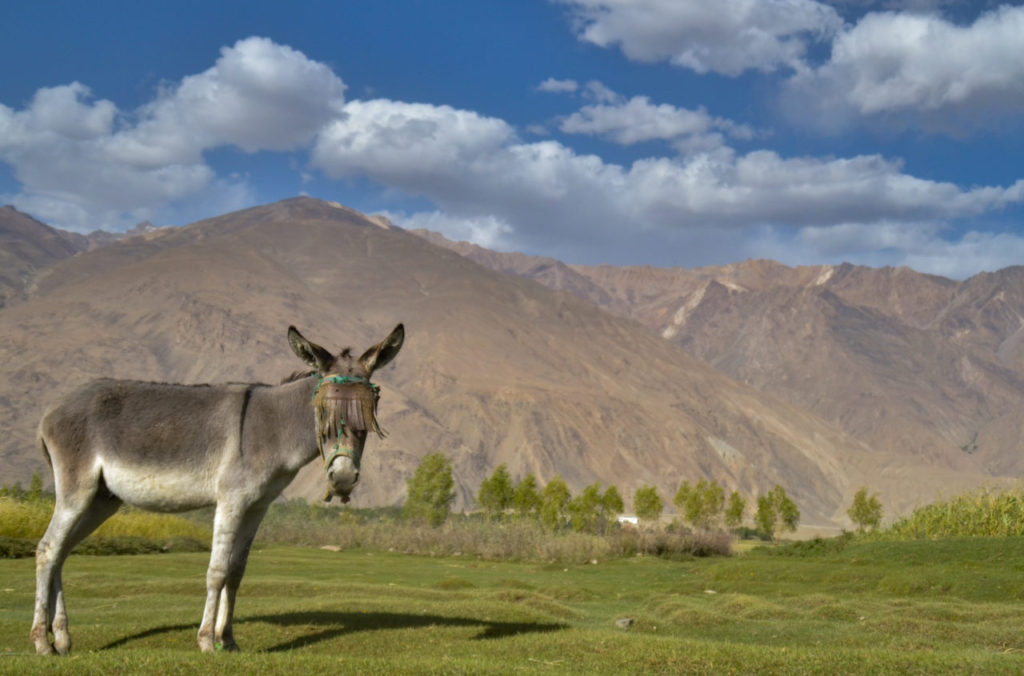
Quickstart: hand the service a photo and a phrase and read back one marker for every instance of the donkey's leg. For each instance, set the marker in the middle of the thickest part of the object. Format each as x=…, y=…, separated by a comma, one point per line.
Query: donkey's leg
x=227, y=520
x=68, y=512
x=224, y=635
x=101, y=509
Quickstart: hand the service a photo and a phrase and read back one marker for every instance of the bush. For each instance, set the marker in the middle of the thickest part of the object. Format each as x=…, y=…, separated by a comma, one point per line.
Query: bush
x=16, y=548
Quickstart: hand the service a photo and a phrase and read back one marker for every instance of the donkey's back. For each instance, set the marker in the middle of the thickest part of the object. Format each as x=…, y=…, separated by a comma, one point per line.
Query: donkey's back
x=153, y=445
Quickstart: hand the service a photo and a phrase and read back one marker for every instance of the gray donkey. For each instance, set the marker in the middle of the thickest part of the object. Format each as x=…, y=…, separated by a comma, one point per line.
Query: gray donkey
x=171, y=448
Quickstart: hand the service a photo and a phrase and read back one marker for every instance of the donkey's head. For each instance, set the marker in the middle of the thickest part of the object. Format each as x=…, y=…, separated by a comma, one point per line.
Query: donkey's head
x=345, y=403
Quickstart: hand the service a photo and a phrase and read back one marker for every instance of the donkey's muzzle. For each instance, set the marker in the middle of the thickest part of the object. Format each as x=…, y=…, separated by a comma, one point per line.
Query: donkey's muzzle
x=342, y=476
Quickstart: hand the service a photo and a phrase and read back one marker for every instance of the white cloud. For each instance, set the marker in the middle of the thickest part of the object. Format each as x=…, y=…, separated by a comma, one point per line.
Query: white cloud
x=558, y=86
x=922, y=246
x=83, y=164
x=639, y=120
x=487, y=231
x=919, y=66
x=474, y=168
x=725, y=36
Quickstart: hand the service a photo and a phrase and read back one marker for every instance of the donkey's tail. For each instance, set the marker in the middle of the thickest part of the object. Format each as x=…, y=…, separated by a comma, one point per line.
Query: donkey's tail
x=46, y=452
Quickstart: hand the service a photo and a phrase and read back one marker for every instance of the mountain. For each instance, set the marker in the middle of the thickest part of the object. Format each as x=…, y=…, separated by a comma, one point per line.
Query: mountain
x=27, y=246
x=926, y=370
x=496, y=368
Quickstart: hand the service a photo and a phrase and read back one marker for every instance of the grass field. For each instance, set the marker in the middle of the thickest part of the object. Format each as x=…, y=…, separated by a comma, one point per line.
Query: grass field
x=948, y=606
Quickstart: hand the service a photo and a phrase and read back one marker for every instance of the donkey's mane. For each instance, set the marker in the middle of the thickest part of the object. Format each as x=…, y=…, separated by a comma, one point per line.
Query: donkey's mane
x=298, y=375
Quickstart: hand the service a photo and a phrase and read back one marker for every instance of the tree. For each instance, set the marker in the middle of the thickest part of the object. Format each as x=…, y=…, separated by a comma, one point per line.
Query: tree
x=734, y=510
x=774, y=510
x=700, y=505
x=430, y=490
x=647, y=503
x=764, y=518
x=611, y=507
x=789, y=513
x=554, y=503
x=584, y=509
x=525, y=498
x=496, y=492
x=35, y=487
x=865, y=512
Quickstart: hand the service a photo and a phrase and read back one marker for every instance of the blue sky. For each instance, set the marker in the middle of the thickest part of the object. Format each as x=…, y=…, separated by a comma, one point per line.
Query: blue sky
x=663, y=132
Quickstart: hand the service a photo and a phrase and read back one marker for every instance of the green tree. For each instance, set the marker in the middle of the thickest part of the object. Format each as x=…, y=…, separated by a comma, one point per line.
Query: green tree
x=585, y=509
x=35, y=487
x=776, y=510
x=496, y=492
x=611, y=507
x=764, y=518
x=734, y=510
x=789, y=513
x=525, y=498
x=682, y=496
x=865, y=512
x=554, y=503
x=431, y=490
x=700, y=505
x=647, y=503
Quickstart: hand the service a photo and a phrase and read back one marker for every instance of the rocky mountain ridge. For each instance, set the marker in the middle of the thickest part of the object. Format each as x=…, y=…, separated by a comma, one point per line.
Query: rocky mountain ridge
x=496, y=368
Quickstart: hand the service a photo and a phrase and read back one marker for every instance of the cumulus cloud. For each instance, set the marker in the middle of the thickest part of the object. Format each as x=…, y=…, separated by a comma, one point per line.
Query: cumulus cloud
x=924, y=246
x=83, y=164
x=638, y=120
x=487, y=231
x=726, y=37
x=921, y=67
x=546, y=196
x=558, y=86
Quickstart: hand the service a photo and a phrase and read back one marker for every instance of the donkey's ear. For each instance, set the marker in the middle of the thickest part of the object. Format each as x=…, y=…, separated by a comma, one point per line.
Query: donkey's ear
x=383, y=352
x=308, y=351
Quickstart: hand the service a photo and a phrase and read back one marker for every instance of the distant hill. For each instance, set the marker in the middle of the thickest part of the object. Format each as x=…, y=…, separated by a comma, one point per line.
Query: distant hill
x=926, y=370
x=496, y=368
x=27, y=246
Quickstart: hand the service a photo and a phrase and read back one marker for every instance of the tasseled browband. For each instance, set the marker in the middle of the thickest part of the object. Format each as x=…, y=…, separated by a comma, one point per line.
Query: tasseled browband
x=341, y=401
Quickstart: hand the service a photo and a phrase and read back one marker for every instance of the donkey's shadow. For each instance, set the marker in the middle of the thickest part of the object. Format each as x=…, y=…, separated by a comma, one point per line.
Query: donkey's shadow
x=326, y=625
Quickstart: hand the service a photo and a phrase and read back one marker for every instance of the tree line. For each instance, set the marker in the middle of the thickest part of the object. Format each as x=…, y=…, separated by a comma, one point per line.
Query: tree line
x=701, y=506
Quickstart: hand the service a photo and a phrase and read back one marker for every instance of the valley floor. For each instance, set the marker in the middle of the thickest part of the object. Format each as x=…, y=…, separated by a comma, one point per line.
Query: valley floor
x=949, y=606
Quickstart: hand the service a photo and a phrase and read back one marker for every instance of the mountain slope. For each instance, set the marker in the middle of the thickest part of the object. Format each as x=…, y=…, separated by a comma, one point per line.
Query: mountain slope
x=927, y=370
x=495, y=368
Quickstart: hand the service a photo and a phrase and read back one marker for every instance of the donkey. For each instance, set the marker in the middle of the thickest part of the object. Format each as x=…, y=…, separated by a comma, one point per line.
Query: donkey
x=172, y=448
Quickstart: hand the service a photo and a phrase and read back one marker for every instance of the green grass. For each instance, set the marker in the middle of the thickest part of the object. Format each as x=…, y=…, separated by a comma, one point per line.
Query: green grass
x=947, y=606
x=28, y=519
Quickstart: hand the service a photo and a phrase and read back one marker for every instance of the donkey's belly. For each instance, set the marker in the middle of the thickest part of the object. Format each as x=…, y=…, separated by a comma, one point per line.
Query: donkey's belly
x=164, y=490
